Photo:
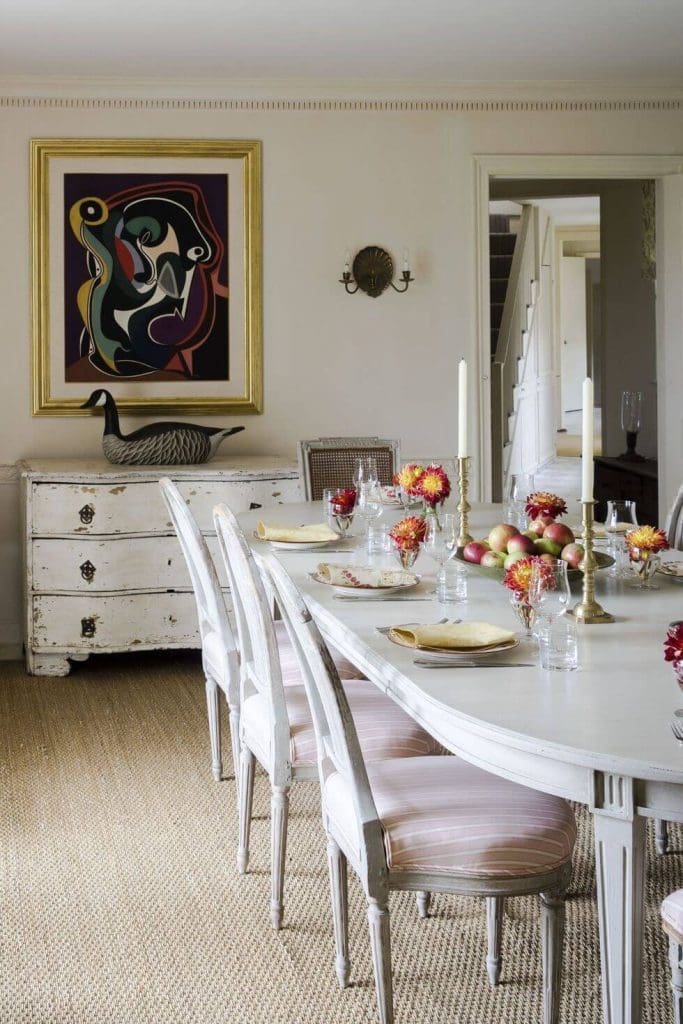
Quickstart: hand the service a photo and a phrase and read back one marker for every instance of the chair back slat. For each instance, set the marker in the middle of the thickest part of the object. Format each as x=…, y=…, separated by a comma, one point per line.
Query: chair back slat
x=260, y=663
x=329, y=462
x=338, y=745
x=211, y=611
x=674, y=523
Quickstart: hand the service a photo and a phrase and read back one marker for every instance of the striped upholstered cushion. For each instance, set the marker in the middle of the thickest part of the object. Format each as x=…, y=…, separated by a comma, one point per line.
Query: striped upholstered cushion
x=672, y=914
x=384, y=730
x=442, y=815
x=217, y=663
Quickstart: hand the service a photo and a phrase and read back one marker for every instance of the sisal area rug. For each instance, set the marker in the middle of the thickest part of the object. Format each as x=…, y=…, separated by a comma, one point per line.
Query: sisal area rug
x=120, y=902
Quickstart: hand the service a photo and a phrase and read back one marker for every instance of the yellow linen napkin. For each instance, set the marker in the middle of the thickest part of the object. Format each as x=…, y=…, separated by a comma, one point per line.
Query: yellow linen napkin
x=454, y=636
x=364, y=576
x=312, y=533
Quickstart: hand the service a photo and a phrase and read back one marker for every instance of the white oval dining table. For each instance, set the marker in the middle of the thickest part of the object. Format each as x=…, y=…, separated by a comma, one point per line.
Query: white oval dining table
x=599, y=735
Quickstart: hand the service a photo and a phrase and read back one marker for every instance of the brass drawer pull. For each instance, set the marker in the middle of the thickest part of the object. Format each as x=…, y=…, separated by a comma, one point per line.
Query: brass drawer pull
x=88, y=627
x=86, y=514
x=88, y=571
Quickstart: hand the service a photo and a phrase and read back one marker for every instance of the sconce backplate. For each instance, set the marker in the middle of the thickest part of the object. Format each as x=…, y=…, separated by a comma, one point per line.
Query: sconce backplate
x=373, y=270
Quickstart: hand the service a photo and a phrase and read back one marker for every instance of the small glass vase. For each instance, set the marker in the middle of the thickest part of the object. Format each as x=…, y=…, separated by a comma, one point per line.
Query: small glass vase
x=677, y=666
x=524, y=612
x=407, y=556
x=430, y=513
x=644, y=567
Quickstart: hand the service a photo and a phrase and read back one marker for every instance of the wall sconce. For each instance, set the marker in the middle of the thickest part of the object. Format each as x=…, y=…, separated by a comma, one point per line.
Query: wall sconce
x=373, y=272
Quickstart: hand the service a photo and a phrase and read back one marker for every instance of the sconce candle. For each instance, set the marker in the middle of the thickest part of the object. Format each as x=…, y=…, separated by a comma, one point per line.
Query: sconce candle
x=462, y=409
x=587, y=442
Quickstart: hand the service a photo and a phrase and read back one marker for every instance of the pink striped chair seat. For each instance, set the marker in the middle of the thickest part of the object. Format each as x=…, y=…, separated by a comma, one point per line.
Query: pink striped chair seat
x=672, y=914
x=444, y=816
x=384, y=730
x=217, y=662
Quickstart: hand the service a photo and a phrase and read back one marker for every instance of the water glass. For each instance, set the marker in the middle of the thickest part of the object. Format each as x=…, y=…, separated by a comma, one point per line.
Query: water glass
x=451, y=585
x=521, y=485
x=378, y=542
x=620, y=518
x=441, y=538
x=369, y=503
x=549, y=590
x=365, y=471
x=558, y=645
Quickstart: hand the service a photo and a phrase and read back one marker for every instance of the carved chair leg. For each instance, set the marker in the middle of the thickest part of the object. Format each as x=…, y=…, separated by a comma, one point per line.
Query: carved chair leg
x=552, y=940
x=380, y=940
x=340, y=909
x=495, y=905
x=676, y=961
x=235, y=740
x=246, y=796
x=213, y=707
x=423, y=901
x=279, y=816
x=661, y=836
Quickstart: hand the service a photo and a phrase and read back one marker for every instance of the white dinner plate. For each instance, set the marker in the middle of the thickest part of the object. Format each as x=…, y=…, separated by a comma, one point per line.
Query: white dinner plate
x=299, y=545
x=673, y=570
x=366, y=592
x=447, y=654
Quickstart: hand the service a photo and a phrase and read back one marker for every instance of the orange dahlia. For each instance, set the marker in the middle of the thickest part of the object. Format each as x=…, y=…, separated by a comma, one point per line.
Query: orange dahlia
x=433, y=486
x=518, y=577
x=409, y=477
x=644, y=541
x=409, y=533
x=542, y=503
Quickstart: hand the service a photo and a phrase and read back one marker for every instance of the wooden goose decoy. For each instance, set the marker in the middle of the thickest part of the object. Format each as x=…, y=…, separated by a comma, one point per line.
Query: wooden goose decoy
x=159, y=444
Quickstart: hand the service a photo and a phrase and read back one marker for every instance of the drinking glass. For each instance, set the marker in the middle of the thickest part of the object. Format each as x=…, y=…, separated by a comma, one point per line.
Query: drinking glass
x=369, y=502
x=620, y=518
x=365, y=471
x=520, y=486
x=441, y=540
x=451, y=586
x=549, y=590
x=558, y=645
x=378, y=542
x=631, y=406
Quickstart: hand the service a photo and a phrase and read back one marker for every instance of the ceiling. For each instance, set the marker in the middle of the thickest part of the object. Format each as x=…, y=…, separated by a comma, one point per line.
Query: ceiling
x=422, y=41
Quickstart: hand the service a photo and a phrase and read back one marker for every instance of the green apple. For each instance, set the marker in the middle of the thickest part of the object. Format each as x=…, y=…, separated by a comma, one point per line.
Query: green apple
x=515, y=556
x=545, y=546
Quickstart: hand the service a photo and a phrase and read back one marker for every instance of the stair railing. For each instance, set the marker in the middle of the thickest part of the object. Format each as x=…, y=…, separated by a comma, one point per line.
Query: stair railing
x=514, y=322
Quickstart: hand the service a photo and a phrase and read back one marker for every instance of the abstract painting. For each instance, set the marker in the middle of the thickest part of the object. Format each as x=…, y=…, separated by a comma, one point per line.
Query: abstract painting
x=147, y=274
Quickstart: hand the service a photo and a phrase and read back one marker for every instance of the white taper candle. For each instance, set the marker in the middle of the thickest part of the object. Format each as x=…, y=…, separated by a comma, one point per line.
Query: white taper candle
x=587, y=442
x=462, y=409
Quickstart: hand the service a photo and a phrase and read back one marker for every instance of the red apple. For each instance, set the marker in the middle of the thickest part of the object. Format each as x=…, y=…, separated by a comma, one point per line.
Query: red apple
x=550, y=559
x=500, y=535
x=521, y=543
x=473, y=552
x=572, y=555
x=492, y=560
x=539, y=524
x=559, y=534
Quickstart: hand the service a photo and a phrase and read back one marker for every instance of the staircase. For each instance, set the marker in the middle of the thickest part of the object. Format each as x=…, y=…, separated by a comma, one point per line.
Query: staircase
x=501, y=250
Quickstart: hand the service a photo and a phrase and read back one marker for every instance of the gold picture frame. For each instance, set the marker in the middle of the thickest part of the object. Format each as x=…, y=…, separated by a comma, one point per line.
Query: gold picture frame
x=66, y=368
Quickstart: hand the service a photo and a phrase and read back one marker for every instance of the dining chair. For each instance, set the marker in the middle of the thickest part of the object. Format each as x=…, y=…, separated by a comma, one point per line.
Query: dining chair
x=220, y=655
x=276, y=728
x=329, y=462
x=436, y=824
x=674, y=522
x=672, y=921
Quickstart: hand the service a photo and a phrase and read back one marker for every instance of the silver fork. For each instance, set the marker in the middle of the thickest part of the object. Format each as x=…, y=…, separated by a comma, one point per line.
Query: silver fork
x=677, y=728
x=388, y=629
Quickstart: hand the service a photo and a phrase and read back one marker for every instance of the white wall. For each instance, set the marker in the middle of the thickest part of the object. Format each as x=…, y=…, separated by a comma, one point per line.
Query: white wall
x=333, y=179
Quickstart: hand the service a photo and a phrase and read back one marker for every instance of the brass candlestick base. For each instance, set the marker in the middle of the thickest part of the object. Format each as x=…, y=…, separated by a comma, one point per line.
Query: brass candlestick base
x=463, y=506
x=588, y=610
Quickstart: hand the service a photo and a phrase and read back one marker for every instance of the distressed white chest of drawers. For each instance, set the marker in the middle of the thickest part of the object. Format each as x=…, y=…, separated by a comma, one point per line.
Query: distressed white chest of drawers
x=102, y=567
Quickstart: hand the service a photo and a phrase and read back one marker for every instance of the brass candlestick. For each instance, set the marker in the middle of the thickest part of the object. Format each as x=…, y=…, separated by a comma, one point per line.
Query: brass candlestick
x=588, y=610
x=464, y=507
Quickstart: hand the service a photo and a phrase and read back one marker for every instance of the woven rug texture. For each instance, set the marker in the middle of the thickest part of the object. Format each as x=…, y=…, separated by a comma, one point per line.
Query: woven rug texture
x=120, y=902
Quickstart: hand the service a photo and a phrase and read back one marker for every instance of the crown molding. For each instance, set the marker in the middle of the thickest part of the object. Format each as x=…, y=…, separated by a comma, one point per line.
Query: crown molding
x=341, y=95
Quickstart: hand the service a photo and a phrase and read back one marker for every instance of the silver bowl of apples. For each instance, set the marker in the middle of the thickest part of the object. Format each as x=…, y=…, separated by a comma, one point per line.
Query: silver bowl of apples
x=506, y=545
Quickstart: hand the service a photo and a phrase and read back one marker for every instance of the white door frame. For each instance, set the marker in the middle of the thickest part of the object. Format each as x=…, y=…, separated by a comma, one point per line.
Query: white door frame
x=508, y=165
